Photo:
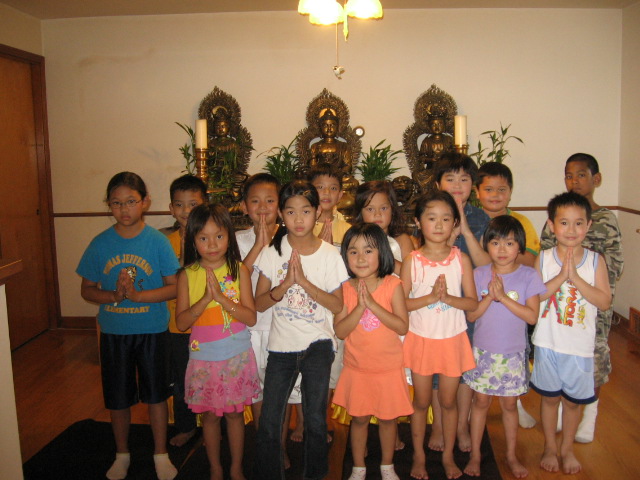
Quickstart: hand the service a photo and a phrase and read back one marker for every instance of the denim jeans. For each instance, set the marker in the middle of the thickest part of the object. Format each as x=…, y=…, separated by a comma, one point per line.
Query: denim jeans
x=314, y=364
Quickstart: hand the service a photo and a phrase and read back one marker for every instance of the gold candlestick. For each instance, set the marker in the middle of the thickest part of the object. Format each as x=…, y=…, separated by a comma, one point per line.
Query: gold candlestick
x=202, y=154
x=464, y=149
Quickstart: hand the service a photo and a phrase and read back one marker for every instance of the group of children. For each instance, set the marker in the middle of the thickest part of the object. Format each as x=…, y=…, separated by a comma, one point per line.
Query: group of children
x=278, y=315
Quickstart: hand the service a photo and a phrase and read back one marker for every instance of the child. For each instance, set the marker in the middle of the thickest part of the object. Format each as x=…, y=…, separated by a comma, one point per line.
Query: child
x=130, y=270
x=187, y=192
x=582, y=175
x=509, y=295
x=300, y=277
x=438, y=284
x=456, y=173
x=374, y=315
x=376, y=203
x=331, y=225
x=260, y=203
x=564, y=338
x=215, y=301
x=494, y=184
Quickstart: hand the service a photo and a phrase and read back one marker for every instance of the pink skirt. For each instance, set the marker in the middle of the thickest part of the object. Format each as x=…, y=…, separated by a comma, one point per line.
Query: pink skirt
x=222, y=387
x=449, y=356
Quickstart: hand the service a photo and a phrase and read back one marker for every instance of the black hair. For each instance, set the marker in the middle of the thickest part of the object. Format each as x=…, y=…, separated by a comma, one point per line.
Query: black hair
x=589, y=160
x=365, y=193
x=501, y=227
x=188, y=183
x=436, y=196
x=454, y=162
x=325, y=169
x=494, y=169
x=127, y=179
x=296, y=188
x=374, y=236
x=257, y=179
x=568, y=199
x=198, y=218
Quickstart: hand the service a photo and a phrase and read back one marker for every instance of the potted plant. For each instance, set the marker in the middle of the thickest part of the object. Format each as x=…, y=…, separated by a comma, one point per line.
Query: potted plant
x=282, y=162
x=377, y=164
x=189, y=149
x=497, y=152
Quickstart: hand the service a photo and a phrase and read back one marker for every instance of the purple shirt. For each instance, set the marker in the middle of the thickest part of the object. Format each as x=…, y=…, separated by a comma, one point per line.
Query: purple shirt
x=498, y=330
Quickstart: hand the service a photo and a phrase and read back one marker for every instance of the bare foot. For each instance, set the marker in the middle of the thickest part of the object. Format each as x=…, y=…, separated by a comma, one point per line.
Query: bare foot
x=436, y=439
x=464, y=440
x=549, y=461
x=473, y=467
x=287, y=462
x=450, y=467
x=418, y=467
x=296, y=435
x=329, y=437
x=180, y=439
x=517, y=469
x=570, y=464
x=399, y=445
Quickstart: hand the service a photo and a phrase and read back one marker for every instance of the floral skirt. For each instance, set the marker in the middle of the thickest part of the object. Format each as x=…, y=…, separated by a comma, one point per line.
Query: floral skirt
x=222, y=387
x=502, y=375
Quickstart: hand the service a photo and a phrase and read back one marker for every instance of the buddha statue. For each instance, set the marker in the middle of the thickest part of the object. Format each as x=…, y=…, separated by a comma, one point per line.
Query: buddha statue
x=329, y=149
x=222, y=143
x=436, y=142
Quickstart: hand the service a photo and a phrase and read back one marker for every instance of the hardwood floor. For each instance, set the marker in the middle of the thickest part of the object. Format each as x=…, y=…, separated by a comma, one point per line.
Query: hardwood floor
x=57, y=382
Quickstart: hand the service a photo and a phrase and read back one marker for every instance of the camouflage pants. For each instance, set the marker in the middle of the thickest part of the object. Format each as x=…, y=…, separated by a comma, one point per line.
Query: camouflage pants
x=602, y=359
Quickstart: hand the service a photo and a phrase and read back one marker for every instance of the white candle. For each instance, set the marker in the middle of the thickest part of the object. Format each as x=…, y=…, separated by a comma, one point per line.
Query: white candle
x=460, y=130
x=201, y=134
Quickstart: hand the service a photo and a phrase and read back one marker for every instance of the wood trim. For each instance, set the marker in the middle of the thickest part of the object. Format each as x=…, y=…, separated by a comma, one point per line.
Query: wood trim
x=9, y=268
x=80, y=323
x=629, y=210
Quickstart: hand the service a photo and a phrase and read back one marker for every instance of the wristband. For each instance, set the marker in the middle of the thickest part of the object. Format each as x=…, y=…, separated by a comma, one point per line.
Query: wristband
x=272, y=297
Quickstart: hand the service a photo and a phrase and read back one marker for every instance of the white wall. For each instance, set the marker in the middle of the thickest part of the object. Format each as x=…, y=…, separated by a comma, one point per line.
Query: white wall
x=627, y=291
x=19, y=30
x=116, y=86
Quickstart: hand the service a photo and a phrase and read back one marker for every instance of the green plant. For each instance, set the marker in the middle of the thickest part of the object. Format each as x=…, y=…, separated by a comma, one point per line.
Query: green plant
x=282, y=162
x=189, y=149
x=377, y=164
x=498, y=152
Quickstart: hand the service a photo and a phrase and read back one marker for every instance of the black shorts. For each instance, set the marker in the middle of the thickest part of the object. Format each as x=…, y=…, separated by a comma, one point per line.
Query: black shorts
x=134, y=368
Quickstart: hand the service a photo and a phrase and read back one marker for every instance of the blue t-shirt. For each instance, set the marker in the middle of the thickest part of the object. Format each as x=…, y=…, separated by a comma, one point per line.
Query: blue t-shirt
x=478, y=222
x=148, y=257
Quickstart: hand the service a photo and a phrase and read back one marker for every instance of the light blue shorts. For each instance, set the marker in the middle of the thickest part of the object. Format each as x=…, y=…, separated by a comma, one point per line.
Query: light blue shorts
x=556, y=374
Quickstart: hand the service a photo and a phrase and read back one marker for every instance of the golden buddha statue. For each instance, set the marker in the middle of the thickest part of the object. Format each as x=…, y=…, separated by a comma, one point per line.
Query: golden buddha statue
x=329, y=149
x=436, y=142
x=222, y=143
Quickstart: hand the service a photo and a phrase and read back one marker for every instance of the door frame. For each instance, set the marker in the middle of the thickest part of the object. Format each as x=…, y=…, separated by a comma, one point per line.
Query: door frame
x=38, y=87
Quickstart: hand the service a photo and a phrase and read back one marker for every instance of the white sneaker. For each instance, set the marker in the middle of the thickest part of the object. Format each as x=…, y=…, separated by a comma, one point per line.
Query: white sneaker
x=524, y=419
x=587, y=426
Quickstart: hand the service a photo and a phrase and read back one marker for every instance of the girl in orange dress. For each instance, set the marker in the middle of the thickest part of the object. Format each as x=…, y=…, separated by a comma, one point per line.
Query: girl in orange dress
x=373, y=318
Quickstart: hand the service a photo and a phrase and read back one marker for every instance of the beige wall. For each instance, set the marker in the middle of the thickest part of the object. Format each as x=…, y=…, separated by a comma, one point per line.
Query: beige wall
x=116, y=86
x=627, y=294
x=19, y=30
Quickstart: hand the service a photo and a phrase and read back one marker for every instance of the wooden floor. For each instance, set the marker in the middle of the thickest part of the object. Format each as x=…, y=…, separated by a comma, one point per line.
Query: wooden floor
x=57, y=382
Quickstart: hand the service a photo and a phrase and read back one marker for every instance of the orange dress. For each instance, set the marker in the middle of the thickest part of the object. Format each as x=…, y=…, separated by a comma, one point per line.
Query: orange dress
x=373, y=381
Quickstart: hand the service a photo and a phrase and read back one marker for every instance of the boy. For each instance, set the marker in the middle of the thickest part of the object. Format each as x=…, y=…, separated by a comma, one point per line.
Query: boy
x=493, y=187
x=577, y=286
x=582, y=175
x=186, y=192
x=456, y=173
x=331, y=226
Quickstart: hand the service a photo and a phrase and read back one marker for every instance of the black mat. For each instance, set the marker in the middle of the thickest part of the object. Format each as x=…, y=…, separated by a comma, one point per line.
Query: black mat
x=402, y=459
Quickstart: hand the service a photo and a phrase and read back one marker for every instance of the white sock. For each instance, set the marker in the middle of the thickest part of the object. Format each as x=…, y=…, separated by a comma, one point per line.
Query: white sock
x=358, y=473
x=120, y=466
x=164, y=468
x=559, y=424
x=388, y=473
x=587, y=426
x=524, y=419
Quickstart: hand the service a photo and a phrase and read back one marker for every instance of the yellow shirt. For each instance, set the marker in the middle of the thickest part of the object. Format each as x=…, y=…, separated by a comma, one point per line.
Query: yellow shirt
x=533, y=241
x=339, y=227
x=176, y=241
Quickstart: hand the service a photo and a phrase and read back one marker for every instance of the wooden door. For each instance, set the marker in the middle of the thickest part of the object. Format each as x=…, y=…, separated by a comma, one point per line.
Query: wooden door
x=25, y=197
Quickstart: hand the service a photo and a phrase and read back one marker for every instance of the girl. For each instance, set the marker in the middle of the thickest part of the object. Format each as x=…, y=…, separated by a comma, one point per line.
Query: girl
x=300, y=277
x=130, y=270
x=509, y=296
x=376, y=203
x=434, y=278
x=214, y=299
x=373, y=318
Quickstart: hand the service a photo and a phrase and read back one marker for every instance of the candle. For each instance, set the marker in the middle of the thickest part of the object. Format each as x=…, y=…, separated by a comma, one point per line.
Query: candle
x=460, y=130
x=201, y=134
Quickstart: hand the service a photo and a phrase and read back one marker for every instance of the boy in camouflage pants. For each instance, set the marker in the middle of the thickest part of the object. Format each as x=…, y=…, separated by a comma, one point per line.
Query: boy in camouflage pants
x=582, y=175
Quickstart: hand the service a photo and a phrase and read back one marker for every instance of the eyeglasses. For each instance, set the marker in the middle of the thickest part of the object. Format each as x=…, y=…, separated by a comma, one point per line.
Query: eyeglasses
x=120, y=205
